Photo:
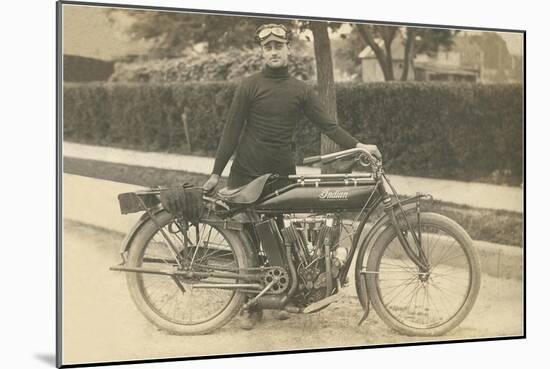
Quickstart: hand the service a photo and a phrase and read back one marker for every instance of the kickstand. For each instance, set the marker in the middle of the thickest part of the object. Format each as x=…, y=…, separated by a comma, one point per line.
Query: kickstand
x=365, y=315
x=367, y=302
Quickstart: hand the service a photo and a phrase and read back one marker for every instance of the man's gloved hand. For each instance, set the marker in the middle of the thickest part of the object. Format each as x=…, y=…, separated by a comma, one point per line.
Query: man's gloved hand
x=173, y=200
x=183, y=202
x=372, y=149
x=211, y=183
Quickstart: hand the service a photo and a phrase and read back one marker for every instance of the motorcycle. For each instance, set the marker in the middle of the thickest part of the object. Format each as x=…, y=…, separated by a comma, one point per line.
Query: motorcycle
x=288, y=243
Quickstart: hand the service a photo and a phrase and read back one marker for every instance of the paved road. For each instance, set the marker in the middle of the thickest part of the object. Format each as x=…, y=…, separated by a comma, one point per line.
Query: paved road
x=101, y=323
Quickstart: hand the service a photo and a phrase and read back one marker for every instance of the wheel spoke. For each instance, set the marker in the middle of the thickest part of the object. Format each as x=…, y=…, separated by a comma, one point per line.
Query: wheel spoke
x=415, y=300
x=170, y=297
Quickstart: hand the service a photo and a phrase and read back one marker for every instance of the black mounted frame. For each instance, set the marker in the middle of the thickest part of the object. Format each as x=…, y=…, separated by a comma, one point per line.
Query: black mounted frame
x=131, y=203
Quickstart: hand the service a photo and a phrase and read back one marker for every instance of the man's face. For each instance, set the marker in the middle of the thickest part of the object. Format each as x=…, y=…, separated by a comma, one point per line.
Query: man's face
x=276, y=54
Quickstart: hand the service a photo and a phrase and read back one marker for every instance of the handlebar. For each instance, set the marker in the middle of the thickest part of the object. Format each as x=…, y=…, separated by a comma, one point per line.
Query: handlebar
x=312, y=159
x=363, y=153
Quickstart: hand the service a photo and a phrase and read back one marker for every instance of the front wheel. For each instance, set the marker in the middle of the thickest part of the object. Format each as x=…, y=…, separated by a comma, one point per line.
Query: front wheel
x=171, y=303
x=423, y=302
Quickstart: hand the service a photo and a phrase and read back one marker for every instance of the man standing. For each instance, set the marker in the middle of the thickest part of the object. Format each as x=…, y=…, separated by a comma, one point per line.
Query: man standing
x=264, y=114
x=263, y=118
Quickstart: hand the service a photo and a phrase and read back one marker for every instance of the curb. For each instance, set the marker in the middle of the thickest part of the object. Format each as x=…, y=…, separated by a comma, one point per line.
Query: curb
x=94, y=202
x=500, y=261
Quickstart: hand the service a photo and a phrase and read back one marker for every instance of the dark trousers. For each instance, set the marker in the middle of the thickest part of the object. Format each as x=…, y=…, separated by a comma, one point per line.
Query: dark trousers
x=237, y=179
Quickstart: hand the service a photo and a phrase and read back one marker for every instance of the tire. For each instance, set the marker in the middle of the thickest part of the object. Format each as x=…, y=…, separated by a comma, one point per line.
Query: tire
x=158, y=297
x=417, y=304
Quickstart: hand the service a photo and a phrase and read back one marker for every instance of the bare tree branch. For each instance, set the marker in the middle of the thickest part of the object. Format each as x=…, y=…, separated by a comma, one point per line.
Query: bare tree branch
x=367, y=36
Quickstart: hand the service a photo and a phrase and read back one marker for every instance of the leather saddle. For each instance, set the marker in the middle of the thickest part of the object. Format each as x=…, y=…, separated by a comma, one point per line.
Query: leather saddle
x=247, y=194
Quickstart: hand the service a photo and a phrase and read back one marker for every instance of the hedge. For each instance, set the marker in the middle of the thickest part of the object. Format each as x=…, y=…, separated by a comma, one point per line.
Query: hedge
x=232, y=64
x=447, y=130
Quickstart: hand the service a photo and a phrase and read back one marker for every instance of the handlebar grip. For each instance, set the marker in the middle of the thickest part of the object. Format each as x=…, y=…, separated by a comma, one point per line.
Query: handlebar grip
x=312, y=159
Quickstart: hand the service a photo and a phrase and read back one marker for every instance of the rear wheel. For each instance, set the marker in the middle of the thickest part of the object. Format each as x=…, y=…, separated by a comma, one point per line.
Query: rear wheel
x=429, y=302
x=171, y=303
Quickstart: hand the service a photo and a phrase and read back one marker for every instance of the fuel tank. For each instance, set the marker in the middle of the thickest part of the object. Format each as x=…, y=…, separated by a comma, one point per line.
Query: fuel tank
x=318, y=199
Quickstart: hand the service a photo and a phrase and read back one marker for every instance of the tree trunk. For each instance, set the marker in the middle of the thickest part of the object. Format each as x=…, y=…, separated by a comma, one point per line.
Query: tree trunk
x=325, y=82
x=389, y=62
x=409, y=52
x=388, y=34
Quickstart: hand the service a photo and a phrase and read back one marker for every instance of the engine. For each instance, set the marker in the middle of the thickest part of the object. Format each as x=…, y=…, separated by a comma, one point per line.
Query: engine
x=317, y=253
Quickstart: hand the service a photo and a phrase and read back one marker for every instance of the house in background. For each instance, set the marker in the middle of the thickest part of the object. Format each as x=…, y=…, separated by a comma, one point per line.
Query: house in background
x=482, y=57
x=370, y=69
x=460, y=64
x=497, y=63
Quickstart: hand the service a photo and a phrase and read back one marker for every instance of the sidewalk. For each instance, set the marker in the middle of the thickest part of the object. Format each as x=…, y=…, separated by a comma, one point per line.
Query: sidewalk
x=94, y=202
x=479, y=195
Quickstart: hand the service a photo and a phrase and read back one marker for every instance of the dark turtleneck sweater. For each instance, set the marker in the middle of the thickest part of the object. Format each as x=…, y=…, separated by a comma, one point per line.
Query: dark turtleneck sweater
x=266, y=109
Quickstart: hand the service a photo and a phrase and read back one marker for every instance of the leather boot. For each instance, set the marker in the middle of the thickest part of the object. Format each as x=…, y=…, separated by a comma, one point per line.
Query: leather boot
x=251, y=317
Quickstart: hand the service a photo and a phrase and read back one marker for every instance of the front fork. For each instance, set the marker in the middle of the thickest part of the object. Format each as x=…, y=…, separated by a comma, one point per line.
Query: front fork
x=390, y=208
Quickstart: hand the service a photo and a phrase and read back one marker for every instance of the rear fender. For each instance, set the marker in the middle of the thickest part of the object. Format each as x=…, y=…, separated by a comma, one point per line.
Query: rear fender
x=125, y=246
x=127, y=242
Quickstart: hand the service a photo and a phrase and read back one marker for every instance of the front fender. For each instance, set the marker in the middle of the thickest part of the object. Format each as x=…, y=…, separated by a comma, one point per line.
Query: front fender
x=409, y=206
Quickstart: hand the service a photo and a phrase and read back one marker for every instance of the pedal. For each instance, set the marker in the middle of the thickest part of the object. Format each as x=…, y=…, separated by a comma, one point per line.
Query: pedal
x=323, y=303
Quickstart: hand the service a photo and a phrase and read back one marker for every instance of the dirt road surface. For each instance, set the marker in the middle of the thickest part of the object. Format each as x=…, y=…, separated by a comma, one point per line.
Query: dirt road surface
x=101, y=322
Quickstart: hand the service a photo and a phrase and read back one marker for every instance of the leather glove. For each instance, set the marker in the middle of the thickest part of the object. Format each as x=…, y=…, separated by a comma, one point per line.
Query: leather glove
x=211, y=183
x=183, y=202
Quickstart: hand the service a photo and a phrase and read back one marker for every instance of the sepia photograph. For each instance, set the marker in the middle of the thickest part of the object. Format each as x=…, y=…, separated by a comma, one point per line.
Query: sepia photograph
x=240, y=184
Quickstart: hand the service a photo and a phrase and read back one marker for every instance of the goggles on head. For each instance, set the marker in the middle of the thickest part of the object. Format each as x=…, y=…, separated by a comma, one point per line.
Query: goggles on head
x=271, y=29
